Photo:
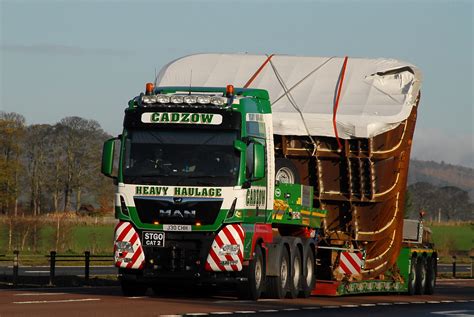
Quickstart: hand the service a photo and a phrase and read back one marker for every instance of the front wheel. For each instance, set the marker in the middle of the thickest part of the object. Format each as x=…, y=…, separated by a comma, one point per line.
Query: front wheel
x=431, y=278
x=412, y=278
x=253, y=287
x=420, y=275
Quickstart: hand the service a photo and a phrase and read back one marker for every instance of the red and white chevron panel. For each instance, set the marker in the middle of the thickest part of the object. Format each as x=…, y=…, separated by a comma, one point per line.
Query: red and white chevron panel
x=227, y=249
x=350, y=262
x=124, y=231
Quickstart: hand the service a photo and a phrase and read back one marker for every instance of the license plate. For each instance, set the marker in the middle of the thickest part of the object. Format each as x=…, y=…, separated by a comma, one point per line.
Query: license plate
x=177, y=227
x=153, y=239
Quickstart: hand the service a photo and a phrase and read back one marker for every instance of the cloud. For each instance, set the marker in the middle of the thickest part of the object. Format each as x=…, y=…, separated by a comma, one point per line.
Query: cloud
x=437, y=145
x=62, y=50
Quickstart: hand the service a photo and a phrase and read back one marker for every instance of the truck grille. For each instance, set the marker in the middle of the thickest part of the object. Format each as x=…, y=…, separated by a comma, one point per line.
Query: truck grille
x=177, y=210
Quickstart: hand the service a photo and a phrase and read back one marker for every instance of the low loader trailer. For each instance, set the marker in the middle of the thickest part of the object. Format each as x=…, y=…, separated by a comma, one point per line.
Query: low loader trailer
x=277, y=175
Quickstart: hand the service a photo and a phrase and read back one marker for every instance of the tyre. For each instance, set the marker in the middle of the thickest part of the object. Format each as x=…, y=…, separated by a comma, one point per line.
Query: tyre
x=308, y=280
x=421, y=276
x=253, y=287
x=286, y=172
x=431, y=275
x=278, y=286
x=133, y=289
x=296, y=270
x=412, y=280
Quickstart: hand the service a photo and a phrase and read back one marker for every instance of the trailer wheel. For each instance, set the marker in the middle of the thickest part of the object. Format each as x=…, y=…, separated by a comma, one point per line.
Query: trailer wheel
x=286, y=172
x=296, y=270
x=278, y=286
x=309, y=277
x=133, y=289
x=420, y=285
x=252, y=288
x=431, y=275
x=412, y=279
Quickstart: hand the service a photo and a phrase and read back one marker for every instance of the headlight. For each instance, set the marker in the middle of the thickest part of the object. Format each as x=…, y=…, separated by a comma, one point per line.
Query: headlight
x=162, y=98
x=177, y=99
x=218, y=101
x=124, y=246
x=204, y=99
x=148, y=99
x=229, y=249
x=190, y=99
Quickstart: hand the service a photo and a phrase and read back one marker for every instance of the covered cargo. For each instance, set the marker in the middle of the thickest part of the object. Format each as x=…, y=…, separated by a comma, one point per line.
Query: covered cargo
x=361, y=177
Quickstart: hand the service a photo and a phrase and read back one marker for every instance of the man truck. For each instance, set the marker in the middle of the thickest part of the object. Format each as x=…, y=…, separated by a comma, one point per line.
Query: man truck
x=276, y=174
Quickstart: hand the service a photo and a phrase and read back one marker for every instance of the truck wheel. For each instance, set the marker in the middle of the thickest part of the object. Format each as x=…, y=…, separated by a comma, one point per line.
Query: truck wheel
x=252, y=288
x=412, y=280
x=133, y=289
x=309, y=277
x=296, y=270
x=286, y=172
x=420, y=285
x=431, y=275
x=278, y=286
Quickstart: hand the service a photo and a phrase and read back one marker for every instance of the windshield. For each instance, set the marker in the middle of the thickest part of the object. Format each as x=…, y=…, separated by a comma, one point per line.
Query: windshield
x=181, y=157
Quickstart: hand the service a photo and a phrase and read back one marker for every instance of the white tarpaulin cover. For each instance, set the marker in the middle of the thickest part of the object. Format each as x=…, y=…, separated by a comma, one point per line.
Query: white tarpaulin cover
x=377, y=94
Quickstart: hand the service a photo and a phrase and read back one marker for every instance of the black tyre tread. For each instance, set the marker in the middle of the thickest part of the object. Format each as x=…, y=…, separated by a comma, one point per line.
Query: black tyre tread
x=133, y=289
x=295, y=289
x=284, y=162
x=431, y=276
x=305, y=288
x=274, y=289
x=420, y=269
x=247, y=290
x=412, y=276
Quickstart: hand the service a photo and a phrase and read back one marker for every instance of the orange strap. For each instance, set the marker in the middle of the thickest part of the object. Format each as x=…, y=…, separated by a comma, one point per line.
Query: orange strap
x=258, y=71
x=336, y=104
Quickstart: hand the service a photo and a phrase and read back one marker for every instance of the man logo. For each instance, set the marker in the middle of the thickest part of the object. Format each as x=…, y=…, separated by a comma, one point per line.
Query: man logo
x=184, y=214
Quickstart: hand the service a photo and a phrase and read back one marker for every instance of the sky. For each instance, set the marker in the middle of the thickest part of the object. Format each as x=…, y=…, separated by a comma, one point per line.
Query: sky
x=88, y=58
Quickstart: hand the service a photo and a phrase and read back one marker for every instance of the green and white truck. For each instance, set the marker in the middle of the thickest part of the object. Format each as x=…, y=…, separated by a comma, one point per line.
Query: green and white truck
x=290, y=184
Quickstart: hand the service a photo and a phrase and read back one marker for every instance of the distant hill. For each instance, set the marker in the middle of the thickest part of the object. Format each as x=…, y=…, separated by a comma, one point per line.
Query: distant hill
x=442, y=174
x=441, y=189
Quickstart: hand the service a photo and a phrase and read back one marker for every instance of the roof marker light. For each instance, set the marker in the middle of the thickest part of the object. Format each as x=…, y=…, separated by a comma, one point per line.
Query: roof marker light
x=229, y=91
x=149, y=88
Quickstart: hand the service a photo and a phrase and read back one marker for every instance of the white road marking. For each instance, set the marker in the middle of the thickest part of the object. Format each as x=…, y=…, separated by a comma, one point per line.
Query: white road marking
x=221, y=313
x=367, y=305
x=245, y=312
x=447, y=301
x=268, y=311
x=58, y=301
x=312, y=307
x=420, y=302
x=384, y=304
x=462, y=301
x=401, y=303
x=433, y=302
x=457, y=313
x=331, y=306
x=136, y=297
x=291, y=309
x=349, y=306
x=37, y=294
x=197, y=314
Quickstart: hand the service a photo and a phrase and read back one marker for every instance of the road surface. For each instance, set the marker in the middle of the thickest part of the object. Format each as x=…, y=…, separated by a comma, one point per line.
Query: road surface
x=453, y=298
x=111, y=270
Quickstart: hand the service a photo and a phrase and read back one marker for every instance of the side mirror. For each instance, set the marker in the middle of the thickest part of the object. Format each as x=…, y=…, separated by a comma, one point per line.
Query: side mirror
x=108, y=153
x=258, y=161
x=255, y=161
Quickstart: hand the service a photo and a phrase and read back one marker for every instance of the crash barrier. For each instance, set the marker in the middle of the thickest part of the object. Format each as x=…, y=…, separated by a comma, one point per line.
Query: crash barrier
x=87, y=258
x=53, y=258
